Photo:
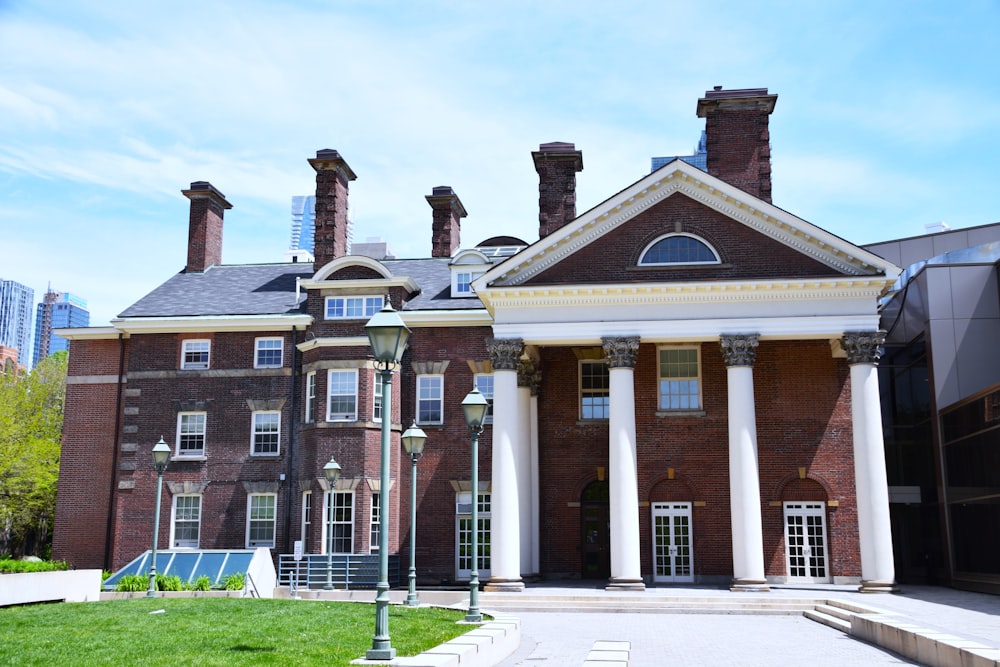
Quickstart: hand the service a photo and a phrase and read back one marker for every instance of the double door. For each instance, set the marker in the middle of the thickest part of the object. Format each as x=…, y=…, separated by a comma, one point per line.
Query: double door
x=805, y=542
x=672, y=552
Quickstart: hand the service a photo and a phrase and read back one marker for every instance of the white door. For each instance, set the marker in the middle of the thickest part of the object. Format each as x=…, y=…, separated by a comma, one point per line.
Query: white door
x=672, y=557
x=805, y=540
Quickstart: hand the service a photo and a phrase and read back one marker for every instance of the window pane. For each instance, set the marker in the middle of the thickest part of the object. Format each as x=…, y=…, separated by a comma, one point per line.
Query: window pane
x=679, y=250
x=343, y=392
x=595, y=402
x=261, y=521
x=266, y=432
x=187, y=516
x=484, y=383
x=269, y=353
x=191, y=434
x=429, y=399
x=340, y=511
x=679, y=379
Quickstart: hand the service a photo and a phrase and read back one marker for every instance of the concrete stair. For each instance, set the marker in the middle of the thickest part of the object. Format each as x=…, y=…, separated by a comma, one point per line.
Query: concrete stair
x=644, y=603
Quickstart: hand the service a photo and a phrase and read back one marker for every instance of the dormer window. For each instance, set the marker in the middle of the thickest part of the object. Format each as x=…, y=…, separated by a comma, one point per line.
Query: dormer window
x=352, y=307
x=678, y=249
x=465, y=268
x=463, y=283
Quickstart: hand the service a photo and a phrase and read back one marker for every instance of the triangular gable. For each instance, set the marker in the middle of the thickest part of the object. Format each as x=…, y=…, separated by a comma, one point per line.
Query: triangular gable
x=679, y=177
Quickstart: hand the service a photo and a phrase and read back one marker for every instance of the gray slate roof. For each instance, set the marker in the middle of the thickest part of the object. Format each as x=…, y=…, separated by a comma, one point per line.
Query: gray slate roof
x=269, y=289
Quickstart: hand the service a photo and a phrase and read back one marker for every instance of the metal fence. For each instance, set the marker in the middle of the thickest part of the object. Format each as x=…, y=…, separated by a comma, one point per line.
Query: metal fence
x=346, y=571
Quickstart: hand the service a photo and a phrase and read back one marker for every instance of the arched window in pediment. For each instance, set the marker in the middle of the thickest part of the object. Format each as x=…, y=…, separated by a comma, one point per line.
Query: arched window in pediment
x=673, y=249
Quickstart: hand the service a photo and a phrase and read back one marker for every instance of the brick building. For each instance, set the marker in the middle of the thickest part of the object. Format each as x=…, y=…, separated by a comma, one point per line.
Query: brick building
x=683, y=386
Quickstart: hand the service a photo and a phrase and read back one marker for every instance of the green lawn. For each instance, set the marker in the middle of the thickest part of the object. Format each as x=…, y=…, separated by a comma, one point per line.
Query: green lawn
x=212, y=631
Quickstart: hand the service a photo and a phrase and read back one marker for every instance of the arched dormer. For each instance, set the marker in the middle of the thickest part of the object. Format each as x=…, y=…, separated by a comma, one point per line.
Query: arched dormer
x=678, y=249
x=465, y=267
x=351, y=260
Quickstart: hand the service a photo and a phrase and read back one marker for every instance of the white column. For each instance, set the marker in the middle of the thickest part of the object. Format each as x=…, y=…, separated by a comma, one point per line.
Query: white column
x=505, y=532
x=740, y=352
x=536, y=506
x=523, y=454
x=878, y=574
x=623, y=473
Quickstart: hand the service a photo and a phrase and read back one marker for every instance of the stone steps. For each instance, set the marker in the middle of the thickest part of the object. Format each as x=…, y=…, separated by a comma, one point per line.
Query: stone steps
x=644, y=603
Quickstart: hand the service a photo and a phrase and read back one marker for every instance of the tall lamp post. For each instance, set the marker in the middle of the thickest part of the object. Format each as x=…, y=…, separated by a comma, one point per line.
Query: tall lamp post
x=161, y=455
x=332, y=473
x=475, y=407
x=413, y=442
x=387, y=335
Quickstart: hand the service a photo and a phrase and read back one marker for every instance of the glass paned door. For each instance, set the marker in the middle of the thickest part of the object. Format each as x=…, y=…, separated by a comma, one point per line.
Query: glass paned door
x=805, y=542
x=672, y=553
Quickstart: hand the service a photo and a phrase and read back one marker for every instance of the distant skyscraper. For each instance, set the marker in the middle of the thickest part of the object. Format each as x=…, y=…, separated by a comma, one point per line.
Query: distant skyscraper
x=56, y=311
x=699, y=159
x=15, y=317
x=303, y=222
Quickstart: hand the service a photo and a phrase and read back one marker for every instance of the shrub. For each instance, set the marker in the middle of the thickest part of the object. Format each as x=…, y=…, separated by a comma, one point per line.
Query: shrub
x=235, y=582
x=170, y=582
x=19, y=566
x=132, y=583
x=202, y=583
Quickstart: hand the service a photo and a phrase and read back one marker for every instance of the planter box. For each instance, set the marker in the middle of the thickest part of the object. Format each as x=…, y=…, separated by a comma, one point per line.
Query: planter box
x=59, y=586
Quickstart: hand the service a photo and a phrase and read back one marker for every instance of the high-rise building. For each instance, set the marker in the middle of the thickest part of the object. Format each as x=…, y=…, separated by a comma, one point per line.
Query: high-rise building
x=303, y=222
x=57, y=310
x=15, y=316
x=698, y=159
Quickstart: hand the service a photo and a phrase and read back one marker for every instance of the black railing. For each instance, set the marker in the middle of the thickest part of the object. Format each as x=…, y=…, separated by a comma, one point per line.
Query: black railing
x=345, y=571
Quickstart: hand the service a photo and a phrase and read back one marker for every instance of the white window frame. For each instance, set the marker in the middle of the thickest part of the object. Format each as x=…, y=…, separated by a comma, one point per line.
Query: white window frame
x=463, y=512
x=484, y=383
x=461, y=282
x=185, y=420
x=700, y=240
x=188, y=544
x=257, y=421
x=310, y=414
x=305, y=527
x=273, y=521
x=662, y=396
x=815, y=509
x=373, y=543
x=196, y=346
x=378, y=386
x=360, y=307
x=583, y=393
x=341, y=416
x=348, y=522
x=266, y=345
x=438, y=380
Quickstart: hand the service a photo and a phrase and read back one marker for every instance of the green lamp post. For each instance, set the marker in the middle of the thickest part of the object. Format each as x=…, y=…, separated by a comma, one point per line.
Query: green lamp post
x=332, y=473
x=413, y=442
x=475, y=408
x=161, y=456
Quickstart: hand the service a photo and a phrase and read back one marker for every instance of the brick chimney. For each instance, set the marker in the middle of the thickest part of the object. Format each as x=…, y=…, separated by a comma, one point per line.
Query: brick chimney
x=448, y=214
x=208, y=205
x=332, y=179
x=556, y=164
x=739, y=149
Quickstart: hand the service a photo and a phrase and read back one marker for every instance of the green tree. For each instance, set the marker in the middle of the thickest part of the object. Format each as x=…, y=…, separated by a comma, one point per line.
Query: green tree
x=31, y=416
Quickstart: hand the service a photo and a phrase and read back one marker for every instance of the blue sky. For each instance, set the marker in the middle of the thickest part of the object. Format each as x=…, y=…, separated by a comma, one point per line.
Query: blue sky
x=888, y=117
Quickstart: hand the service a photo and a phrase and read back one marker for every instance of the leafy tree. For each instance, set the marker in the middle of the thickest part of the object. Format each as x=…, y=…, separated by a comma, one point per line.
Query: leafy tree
x=31, y=416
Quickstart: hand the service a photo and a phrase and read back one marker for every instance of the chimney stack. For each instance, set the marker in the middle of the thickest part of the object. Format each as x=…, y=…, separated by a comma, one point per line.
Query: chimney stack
x=333, y=177
x=208, y=205
x=556, y=164
x=739, y=148
x=448, y=214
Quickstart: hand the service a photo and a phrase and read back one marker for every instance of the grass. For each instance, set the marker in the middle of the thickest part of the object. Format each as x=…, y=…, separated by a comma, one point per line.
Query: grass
x=213, y=631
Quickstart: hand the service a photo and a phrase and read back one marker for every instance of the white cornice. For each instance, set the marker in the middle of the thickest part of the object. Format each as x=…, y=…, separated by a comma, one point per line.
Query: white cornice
x=368, y=285
x=345, y=341
x=222, y=323
x=681, y=177
x=472, y=317
x=88, y=333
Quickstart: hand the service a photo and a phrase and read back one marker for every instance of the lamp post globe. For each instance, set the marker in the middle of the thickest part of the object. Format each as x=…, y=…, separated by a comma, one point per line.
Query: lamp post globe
x=161, y=456
x=331, y=471
x=413, y=442
x=475, y=407
x=388, y=336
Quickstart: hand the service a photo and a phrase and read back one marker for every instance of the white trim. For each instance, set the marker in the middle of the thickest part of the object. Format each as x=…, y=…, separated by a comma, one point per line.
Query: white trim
x=256, y=350
x=346, y=298
x=660, y=378
x=173, y=520
x=196, y=366
x=274, y=521
x=204, y=436
x=440, y=401
x=346, y=341
x=211, y=323
x=88, y=333
x=664, y=237
x=253, y=434
x=334, y=265
x=309, y=409
x=329, y=395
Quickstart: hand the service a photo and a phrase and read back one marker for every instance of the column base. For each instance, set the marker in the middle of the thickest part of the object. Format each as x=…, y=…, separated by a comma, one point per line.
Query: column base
x=877, y=587
x=504, y=586
x=621, y=584
x=749, y=586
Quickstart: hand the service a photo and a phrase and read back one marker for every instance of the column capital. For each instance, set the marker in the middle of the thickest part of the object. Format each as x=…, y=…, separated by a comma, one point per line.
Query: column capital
x=505, y=353
x=620, y=351
x=863, y=347
x=529, y=375
x=739, y=349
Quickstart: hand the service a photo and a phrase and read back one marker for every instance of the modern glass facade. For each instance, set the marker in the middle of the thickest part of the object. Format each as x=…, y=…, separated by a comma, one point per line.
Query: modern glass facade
x=303, y=222
x=15, y=318
x=58, y=310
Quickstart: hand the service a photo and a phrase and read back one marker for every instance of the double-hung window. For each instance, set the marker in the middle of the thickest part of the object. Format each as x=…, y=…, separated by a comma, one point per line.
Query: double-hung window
x=339, y=522
x=377, y=400
x=266, y=433
x=594, y=390
x=680, y=378
x=195, y=354
x=268, y=352
x=484, y=383
x=463, y=546
x=261, y=519
x=310, y=396
x=373, y=532
x=191, y=433
x=306, y=520
x=430, y=399
x=352, y=307
x=342, y=389
x=187, y=522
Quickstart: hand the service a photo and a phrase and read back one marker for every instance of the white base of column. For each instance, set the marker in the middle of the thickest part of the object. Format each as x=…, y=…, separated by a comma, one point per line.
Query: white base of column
x=750, y=586
x=625, y=585
x=877, y=587
x=504, y=586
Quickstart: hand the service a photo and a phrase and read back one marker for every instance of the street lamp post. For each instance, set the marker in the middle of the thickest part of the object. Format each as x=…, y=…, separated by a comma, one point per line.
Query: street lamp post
x=413, y=442
x=161, y=455
x=475, y=407
x=387, y=335
x=332, y=473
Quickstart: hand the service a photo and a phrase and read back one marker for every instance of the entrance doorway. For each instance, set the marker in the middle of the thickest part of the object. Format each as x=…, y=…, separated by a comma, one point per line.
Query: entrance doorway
x=595, y=526
x=672, y=554
x=805, y=542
